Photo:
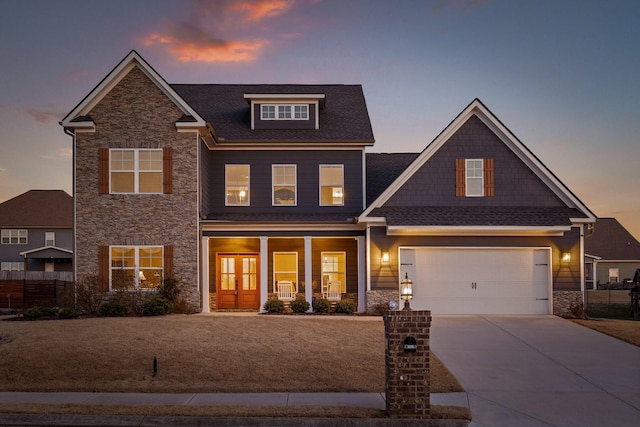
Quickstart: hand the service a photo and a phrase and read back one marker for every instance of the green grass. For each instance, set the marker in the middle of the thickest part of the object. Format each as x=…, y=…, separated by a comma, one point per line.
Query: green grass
x=610, y=311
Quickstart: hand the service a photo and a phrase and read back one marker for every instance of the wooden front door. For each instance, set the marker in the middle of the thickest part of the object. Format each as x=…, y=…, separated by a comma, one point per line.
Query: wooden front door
x=238, y=281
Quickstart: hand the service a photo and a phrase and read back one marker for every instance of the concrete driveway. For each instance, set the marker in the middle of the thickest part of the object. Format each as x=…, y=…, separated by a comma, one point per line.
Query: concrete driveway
x=540, y=371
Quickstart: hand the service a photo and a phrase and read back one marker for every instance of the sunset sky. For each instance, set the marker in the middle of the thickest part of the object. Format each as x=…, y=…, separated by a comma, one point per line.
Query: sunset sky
x=563, y=76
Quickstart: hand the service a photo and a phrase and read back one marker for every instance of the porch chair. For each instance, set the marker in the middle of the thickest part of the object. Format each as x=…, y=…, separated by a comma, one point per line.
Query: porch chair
x=334, y=291
x=286, y=292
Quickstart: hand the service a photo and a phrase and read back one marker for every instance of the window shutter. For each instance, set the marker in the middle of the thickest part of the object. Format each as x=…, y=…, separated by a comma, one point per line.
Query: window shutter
x=460, y=178
x=167, y=170
x=103, y=268
x=168, y=261
x=489, y=188
x=103, y=171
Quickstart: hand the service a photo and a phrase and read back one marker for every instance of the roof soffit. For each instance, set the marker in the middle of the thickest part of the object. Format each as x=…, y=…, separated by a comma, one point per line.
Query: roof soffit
x=133, y=59
x=477, y=108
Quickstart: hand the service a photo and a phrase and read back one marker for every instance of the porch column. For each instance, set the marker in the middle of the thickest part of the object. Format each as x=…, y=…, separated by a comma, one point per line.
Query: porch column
x=204, y=253
x=308, y=272
x=264, y=271
x=362, y=280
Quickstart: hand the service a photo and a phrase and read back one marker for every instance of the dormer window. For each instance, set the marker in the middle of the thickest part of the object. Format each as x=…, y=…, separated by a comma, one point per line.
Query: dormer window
x=284, y=112
x=292, y=111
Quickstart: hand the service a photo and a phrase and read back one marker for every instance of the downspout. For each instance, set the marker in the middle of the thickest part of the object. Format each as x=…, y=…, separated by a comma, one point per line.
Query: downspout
x=72, y=134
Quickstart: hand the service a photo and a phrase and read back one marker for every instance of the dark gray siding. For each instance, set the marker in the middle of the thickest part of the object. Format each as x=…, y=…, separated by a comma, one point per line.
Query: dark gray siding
x=434, y=184
x=565, y=278
x=205, y=181
x=284, y=124
x=307, y=181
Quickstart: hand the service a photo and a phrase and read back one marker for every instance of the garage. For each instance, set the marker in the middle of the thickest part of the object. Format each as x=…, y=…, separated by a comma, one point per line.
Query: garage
x=478, y=280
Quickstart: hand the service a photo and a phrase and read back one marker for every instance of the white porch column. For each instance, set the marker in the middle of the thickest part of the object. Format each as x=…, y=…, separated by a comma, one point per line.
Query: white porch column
x=362, y=276
x=204, y=280
x=264, y=271
x=308, y=272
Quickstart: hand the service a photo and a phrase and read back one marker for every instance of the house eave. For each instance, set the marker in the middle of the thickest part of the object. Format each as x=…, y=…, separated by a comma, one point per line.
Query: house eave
x=271, y=227
x=417, y=230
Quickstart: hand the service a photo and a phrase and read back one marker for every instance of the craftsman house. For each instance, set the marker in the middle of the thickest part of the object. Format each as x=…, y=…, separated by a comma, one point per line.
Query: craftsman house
x=36, y=231
x=251, y=192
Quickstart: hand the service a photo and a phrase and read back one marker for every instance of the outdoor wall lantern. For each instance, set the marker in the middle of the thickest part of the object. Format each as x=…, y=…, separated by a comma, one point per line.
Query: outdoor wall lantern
x=565, y=257
x=385, y=257
x=406, y=291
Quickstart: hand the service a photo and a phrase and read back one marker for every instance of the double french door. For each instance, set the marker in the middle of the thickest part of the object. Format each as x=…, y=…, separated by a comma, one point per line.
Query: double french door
x=238, y=281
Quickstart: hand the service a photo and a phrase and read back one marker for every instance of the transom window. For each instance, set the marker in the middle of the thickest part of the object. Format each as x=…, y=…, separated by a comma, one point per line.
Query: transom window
x=284, y=112
x=136, y=267
x=284, y=185
x=333, y=269
x=13, y=237
x=136, y=170
x=50, y=238
x=237, y=185
x=331, y=185
x=285, y=267
x=474, y=177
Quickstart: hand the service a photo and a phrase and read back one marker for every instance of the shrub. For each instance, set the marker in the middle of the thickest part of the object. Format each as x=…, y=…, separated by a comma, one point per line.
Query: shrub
x=113, y=309
x=156, y=306
x=346, y=306
x=380, y=308
x=170, y=289
x=300, y=305
x=321, y=305
x=89, y=296
x=37, y=312
x=133, y=299
x=274, y=306
x=68, y=313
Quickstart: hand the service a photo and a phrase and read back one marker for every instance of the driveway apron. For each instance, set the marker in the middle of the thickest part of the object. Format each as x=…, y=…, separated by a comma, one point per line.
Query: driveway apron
x=540, y=371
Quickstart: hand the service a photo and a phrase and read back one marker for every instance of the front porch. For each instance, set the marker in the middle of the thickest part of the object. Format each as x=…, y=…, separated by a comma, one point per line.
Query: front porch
x=242, y=273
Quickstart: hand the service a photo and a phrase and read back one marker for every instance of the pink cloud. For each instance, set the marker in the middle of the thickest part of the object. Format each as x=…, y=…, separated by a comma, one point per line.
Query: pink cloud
x=255, y=10
x=44, y=117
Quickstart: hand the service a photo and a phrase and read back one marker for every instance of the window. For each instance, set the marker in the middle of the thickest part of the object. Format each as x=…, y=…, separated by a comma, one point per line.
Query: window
x=614, y=275
x=136, y=267
x=474, y=178
x=285, y=267
x=237, y=185
x=284, y=184
x=12, y=266
x=333, y=268
x=284, y=112
x=13, y=237
x=136, y=171
x=331, y=185
x=50, y=238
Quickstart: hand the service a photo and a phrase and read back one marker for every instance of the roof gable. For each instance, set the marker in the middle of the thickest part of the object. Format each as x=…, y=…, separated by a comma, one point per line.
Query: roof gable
x=558, y=194
x=611, y=241
x=38, y=208
x=78, y=117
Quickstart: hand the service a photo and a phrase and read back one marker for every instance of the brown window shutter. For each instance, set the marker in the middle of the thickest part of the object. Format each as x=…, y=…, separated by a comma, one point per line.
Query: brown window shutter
x=103, y=268
x=168, y=261
x=167, y=170
x=489, y=187
x=460, y=178
x=103, y=171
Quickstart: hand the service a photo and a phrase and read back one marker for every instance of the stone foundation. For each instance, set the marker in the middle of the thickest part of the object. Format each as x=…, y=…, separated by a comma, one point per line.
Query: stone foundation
x=374, y=299
x=564, y=301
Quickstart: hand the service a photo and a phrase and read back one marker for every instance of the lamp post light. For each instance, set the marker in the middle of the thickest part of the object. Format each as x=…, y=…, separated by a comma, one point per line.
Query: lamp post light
x=406, y=291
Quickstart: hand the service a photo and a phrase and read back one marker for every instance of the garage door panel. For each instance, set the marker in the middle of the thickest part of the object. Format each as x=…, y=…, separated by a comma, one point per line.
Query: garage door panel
x=479, y=281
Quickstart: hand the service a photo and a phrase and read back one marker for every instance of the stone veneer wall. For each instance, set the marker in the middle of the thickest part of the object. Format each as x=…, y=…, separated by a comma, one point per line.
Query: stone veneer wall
x=373, y=298
x=564, y=300
x=137, y=114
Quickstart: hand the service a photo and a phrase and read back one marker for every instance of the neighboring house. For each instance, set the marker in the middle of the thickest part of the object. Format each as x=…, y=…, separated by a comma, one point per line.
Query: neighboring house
x=251, y=192
x=36, y=232
x=612, y=254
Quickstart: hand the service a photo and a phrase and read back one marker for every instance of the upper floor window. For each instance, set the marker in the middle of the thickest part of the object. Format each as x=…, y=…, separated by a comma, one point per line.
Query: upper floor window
x=136, y=170
x=284, y=112
x=237, y=185
x=136, y=267
x=474, y=178
x=284, y=184
x=50, y=238
x=13, y=237
x=331, y=185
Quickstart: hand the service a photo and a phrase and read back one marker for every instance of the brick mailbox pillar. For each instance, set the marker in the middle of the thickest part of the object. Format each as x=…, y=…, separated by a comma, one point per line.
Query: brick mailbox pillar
x=407, y=363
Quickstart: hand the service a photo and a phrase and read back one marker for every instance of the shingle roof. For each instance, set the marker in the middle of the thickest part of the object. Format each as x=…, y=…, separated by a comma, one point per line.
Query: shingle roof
x=611, y=241
x=477, y=216
x=383, y=169
x=345, y=117
x=38, y=208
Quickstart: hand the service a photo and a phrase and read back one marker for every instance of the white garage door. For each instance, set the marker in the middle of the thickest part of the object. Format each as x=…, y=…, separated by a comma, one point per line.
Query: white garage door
x=478, y=281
